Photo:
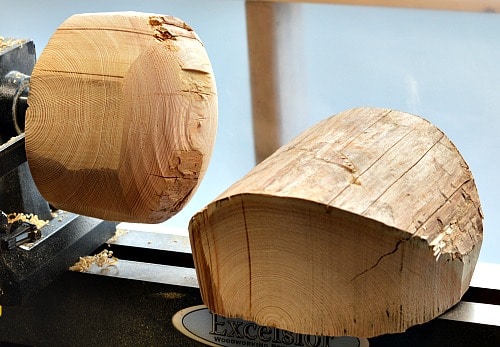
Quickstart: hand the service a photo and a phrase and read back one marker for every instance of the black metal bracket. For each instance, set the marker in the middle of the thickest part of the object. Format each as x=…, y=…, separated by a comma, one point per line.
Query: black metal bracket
x=18, y=192
x=16, y=64
x=17, y=233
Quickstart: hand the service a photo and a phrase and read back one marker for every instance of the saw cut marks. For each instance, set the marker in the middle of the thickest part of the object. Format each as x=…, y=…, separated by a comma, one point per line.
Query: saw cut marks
x=122, y=116
x=367, y=223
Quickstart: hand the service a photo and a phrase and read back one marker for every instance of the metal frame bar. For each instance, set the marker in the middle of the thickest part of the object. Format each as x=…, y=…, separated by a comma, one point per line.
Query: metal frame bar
x=12, y=154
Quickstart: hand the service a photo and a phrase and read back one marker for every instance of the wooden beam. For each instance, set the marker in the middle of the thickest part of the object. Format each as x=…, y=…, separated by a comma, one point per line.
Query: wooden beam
x=262, y=54
x=275, y=72
x=453, y=5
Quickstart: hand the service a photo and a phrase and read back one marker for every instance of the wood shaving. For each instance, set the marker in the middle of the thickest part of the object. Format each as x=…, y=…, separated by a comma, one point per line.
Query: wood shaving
x=118, y=233
x=7, y=42
x=103, y=259
x=169, y=295
x=28, y=218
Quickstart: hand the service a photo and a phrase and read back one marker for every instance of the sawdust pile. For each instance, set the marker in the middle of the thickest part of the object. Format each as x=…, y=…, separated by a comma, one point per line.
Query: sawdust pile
x=103, y=259
x=7, y=42
x=28, y=218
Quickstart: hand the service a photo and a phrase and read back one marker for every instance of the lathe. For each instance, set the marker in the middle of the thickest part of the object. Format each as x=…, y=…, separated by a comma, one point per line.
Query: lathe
x=150, y=293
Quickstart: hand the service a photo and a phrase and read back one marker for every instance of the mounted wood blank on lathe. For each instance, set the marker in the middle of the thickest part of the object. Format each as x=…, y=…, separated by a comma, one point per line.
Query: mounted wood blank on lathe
x=122, y=116
x=366, y=224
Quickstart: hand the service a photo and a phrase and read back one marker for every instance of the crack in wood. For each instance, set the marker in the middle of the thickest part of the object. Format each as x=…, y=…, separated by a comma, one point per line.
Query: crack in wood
x=167, y=177
x=379, y=260
x=357, y=178
x=248, y=253
x=404, y=173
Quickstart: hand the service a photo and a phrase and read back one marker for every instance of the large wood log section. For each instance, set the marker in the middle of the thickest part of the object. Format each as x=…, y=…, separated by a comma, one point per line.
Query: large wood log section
x=366, y=224
x=122, y=116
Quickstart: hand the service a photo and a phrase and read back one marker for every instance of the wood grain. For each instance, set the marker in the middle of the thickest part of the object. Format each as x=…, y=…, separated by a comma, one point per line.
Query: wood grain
x=122, y=116
x=367, y=223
